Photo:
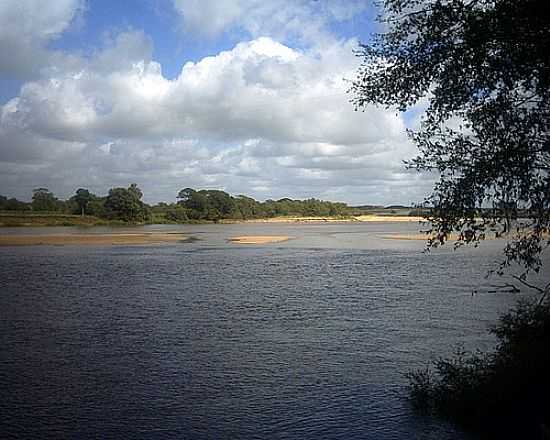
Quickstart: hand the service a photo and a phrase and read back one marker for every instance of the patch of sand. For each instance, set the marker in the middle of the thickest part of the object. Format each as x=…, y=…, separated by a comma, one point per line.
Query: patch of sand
x=359, y=218
x=452, y=237
x=423, y=237
x=259, y=239
x=388, y=218
x=91, y=239
x=289, y=219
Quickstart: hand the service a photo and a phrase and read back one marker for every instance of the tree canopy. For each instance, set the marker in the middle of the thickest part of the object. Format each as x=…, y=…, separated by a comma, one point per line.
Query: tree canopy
x=43, y=200
x=82, y=198
x=125, y=204
x=481, y=68
x=211, y=204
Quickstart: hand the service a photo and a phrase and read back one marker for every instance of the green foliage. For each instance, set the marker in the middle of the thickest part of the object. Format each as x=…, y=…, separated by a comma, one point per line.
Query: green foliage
x=125, y=204
x=215, y=205
x=44, y=200
x=483, y=69
x=504, y=393
x=82, y=198
x=13, y=204
x=96, y=207
x=177, y=214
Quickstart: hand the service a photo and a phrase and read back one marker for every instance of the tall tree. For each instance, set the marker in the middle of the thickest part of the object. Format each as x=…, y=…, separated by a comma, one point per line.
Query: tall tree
x=483, y=68
x=185, y=194
x=125, y=204
x=43, y=200
x=82, y=198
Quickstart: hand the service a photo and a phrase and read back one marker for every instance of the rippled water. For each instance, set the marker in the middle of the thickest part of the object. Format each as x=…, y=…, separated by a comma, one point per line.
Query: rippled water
x=206, y=340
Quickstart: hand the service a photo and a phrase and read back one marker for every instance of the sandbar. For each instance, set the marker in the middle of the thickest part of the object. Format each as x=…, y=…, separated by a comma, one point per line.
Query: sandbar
x=389, y=218
x=424, y=237
x=452, y=237
x=359, y=218
x=259, y=239
x=114, y=239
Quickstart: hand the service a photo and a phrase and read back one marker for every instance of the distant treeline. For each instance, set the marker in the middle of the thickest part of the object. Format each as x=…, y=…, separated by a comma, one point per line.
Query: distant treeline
x=125, y=204
x=122, y=204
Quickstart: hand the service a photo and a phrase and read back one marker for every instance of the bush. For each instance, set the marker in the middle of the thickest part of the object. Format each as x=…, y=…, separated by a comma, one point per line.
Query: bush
x=504, y=394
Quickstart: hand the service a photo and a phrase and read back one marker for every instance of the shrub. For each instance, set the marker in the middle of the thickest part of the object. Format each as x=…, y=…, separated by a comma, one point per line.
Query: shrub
x=506, y=393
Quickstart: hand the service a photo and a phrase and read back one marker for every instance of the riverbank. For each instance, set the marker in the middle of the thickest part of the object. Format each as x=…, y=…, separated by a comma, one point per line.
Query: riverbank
x=113, y=239
x=48, y=219
x=358, y=218
x=53, y=219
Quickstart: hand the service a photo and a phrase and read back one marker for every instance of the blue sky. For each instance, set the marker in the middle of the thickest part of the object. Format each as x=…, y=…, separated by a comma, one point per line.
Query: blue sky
x=243, y=95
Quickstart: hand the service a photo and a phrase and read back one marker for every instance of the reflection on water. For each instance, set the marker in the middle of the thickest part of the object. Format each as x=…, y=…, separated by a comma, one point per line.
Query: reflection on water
x=304, y=339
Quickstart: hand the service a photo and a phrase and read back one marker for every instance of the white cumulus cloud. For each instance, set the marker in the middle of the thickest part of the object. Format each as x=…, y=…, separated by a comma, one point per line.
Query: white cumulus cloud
x=280, y=19
x=262, y=119
x=26, y=27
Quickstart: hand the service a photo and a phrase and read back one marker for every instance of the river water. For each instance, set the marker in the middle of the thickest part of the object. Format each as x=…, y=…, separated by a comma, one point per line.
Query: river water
x=209, y=339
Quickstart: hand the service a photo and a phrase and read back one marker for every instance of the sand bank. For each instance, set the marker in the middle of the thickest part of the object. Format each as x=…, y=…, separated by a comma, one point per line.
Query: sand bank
x=359, y=218
x=389, y=218
x=453, y=237
x=423, y=237
x=91, y=239
x=259, y=239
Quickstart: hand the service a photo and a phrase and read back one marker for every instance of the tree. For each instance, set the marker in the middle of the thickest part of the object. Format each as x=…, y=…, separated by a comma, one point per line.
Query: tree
x=13, y=204
x=135, y=191
x=247, y=207
x=220, y=204
x=125, y=204
x=185, y=194
x=82, y=198
x=483, y=68
x=43, y=200
x=96, y=207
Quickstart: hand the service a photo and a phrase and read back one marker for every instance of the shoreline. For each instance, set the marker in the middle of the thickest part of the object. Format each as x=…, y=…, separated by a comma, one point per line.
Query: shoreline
x=87, y=221
x=112, y=239
x=359, y=218
x=259, y=239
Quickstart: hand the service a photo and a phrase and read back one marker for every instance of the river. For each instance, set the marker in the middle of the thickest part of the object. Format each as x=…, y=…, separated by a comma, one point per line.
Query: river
x=208, y=339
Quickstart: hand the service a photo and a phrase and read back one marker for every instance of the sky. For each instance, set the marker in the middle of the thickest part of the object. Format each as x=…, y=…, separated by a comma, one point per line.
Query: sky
x=246, y=96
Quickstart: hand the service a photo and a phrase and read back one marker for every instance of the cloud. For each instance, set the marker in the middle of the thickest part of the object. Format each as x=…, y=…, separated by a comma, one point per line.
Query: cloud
x=262, y=119
x=26, y=28
x=279, y=19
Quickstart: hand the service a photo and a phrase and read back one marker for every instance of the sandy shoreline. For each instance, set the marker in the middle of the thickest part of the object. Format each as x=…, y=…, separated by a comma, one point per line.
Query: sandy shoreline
x=420, y=236
x=259, y=239
x=452, y=237
x=359, y=218
x=115, y=239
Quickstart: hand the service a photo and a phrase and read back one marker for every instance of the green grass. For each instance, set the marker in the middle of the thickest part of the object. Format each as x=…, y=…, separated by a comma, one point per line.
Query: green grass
x=24, y=218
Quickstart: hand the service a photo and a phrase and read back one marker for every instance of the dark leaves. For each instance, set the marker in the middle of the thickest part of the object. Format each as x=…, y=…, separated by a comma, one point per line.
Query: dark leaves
x=484, y=67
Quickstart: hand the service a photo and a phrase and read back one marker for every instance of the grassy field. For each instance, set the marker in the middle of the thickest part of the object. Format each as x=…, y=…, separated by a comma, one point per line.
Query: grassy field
x=25, y=218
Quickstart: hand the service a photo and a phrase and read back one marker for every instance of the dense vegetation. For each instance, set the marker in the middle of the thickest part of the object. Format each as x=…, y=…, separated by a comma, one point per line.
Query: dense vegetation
x=504, y=393
x=120, y=204
x=125, y=205
x=216, y=205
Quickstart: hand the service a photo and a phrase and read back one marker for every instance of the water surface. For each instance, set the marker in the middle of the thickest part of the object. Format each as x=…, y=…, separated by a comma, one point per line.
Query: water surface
x=304, y=339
